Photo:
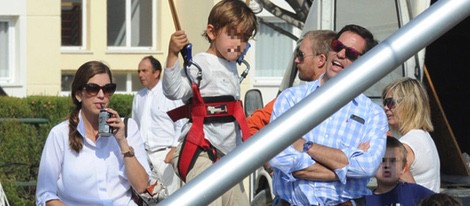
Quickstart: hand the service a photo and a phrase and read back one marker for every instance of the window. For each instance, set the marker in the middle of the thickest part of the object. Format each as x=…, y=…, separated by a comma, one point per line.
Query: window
x=6, y=50
x=127, y=82
x=130, y=24
x=383, y=23
x=73, y=24
x=66, y=81
x=273, y=51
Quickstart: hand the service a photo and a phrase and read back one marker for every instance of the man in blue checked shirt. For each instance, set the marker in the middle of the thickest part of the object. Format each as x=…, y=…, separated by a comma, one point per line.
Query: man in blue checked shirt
x=332, y=164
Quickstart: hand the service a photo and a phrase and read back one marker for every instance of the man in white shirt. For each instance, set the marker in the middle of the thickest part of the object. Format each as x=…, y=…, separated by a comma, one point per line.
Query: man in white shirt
x=159, y=132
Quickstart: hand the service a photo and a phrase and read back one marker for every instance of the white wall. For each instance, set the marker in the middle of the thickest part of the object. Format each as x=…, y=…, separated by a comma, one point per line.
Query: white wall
x=17, y=11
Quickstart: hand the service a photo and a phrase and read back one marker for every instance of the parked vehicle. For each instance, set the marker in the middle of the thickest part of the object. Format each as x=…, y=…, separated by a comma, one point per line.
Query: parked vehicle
x=362, y=75
x=382, y=17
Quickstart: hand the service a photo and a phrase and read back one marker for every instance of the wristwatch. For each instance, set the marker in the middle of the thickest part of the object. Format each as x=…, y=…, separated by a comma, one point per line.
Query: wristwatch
x=307, y=146
x=129, y=153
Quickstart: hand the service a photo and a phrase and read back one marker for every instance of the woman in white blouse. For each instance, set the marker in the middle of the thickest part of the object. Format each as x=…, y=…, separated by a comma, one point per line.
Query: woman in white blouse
x=81, y=167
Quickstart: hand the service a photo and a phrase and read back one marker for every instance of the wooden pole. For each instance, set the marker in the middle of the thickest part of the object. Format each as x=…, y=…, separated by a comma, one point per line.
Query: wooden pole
x=452, y=162
x=174, y=14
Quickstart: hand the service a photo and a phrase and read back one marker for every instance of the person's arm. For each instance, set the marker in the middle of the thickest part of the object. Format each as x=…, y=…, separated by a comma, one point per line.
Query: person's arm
x=55, y=203
x=177, y=42
x=365, y=163
x=169, y=155
x=137, y=174
x=335, y=159
x=410, y=158
x=174, y=82
x=289, y=160
x=49, y=169
x=318, y=171
x=354, y=162
x=260, y=118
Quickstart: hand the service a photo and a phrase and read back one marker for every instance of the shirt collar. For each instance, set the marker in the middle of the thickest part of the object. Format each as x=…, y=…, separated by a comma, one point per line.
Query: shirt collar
x=155, y=88
x=317, y=83
x=81, y=129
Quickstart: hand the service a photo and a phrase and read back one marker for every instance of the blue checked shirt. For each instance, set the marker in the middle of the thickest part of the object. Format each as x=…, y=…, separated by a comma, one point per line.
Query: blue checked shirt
x=359, y=121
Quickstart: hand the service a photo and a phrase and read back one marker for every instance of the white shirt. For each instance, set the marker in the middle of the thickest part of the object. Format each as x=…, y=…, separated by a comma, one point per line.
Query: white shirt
x=95, y=176
x=149, y=109
x=219, y=77
x=426, y=166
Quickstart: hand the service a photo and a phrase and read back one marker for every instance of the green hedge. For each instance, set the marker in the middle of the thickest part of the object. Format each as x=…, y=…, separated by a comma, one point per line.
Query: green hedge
x=21, y=143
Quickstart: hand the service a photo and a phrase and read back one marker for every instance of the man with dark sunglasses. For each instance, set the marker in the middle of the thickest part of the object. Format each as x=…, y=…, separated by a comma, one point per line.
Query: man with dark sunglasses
x=159, y=132
x=332, y=163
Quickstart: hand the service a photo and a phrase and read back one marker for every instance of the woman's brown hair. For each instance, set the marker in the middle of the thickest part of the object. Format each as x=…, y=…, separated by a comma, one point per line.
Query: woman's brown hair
x=83, y=74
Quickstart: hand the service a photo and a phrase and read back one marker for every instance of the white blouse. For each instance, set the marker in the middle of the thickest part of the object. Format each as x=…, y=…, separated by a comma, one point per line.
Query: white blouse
x=426, y=166
x=95, y=176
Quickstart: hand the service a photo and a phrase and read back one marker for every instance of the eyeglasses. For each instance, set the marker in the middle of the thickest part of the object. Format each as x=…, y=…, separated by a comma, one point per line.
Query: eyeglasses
x=301, y=55
x=93, y=89
x=390, y=103
x=351, y=53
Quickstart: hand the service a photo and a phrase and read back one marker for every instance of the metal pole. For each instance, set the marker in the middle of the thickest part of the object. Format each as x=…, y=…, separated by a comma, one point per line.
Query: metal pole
x=393, y=51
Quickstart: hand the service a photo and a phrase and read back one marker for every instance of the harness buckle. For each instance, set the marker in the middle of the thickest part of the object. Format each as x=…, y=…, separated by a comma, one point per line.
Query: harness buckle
x=218, y=109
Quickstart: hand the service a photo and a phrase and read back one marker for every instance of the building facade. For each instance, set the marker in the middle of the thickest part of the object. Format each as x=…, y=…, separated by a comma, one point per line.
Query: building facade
x=42, y=43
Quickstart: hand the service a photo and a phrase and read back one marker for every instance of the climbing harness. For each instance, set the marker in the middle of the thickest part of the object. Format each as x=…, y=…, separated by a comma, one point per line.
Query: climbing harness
x=199, y=110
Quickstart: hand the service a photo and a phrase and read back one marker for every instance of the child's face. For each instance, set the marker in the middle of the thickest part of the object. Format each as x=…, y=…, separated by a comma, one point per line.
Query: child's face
x=228, y=43
x=391, y=167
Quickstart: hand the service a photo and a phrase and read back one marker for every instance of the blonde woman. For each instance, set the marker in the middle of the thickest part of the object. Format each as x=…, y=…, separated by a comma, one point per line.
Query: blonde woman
x=406, y=104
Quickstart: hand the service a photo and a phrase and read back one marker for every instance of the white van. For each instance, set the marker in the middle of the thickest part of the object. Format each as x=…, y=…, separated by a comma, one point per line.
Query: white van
x=382, y=18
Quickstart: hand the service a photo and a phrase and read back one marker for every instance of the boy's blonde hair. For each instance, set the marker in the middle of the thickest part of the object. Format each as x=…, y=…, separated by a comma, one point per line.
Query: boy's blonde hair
x=234, y=14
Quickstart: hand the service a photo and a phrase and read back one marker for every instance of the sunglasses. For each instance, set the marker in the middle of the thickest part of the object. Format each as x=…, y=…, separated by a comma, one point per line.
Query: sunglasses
x=93, y=89
x=390, y=103
x=301, y=55
x=351, y=53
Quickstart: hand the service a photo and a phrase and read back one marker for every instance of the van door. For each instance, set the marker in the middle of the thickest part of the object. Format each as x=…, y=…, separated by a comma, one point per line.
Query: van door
x=382, y=18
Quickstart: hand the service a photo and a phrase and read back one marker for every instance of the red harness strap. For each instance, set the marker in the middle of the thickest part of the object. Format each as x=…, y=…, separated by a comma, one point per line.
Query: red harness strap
x=198, y=112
